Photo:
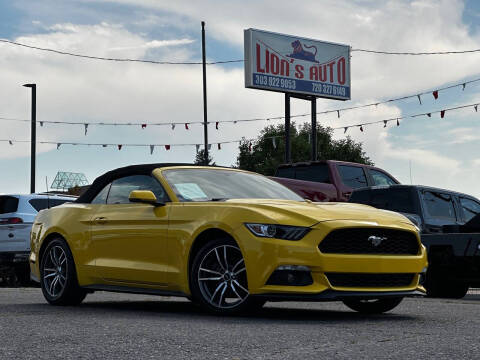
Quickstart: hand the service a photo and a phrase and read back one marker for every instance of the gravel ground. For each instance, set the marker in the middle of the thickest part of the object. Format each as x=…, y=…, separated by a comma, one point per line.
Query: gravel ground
x=121, y=326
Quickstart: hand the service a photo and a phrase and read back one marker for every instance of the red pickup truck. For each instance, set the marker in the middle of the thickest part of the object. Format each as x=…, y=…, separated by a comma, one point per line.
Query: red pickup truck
x=330, y=180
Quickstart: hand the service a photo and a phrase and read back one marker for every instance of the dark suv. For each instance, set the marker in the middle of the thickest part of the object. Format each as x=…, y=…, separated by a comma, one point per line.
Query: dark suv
x=450, y=229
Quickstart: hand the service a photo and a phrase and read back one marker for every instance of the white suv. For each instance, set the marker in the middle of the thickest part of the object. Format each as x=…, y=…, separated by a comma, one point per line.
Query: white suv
x=17, y=213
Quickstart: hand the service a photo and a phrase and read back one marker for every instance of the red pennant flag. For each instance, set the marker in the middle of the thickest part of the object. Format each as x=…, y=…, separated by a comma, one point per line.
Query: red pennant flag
x=384, y=123
x=144, y=126
x=429, y=115
x=398, y=123
x=219, y=146
x=435, y=94
x=186, y=126
x=216, y=125
x=442, y=114
x=167, y=147
x=119, y=147
x=361, y=128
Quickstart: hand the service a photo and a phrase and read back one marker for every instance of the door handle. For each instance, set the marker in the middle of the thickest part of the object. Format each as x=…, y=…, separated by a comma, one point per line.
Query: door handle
x=100, y=220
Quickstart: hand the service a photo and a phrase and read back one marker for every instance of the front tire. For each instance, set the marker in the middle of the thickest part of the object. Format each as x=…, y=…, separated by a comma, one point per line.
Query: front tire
x=58, y=277
x=374, y=306
x=218, y=279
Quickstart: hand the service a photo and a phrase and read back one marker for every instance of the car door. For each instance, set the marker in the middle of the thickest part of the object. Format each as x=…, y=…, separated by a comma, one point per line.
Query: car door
x=129, y=239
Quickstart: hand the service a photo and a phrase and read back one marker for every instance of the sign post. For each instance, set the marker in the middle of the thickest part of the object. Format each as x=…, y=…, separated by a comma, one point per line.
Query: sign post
x=299, y=67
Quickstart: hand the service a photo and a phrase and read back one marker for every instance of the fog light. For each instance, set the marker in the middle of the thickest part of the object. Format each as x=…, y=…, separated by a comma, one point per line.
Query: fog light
x=291, y=275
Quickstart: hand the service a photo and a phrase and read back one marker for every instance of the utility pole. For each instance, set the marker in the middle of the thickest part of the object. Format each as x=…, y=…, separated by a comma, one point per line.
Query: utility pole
x=288, y=154
x=33, y=139
x=205, y=121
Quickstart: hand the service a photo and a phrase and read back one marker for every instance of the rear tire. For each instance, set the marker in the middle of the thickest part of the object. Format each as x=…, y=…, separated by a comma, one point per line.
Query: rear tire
x=218, y=279
x=374, y=306
x=58, y=277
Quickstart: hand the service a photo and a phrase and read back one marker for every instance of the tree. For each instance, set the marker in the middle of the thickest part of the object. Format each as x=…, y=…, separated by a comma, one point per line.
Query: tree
x=264, y=157
x=200, y=158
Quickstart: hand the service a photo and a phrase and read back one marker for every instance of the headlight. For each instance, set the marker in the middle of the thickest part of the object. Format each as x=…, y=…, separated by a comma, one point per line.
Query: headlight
x=284, y=232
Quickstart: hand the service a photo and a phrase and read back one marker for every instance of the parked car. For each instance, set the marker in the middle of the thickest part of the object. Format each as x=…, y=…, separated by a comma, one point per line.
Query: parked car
x=330, y=180
x=17, y=213
x=228, y=239
x=449, y=222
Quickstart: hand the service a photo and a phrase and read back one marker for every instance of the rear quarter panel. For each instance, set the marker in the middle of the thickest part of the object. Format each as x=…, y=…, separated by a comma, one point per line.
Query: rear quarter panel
x=72, y=222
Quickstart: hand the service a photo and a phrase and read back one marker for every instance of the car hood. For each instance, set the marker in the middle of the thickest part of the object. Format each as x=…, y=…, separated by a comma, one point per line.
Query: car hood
x=308, y=214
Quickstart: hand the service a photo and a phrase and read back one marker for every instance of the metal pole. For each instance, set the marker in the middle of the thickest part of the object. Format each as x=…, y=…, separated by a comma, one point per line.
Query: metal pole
x=205, y=122
x=288, y=156
x=314, y=129
x=33, y=140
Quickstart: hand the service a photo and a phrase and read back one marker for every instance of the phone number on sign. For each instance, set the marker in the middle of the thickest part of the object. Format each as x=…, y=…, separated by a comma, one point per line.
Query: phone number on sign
x=275, y=82
x=328, y=89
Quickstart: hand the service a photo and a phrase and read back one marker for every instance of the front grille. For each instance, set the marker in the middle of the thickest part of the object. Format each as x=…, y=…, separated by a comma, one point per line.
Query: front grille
x=370, y=241
x=369, y=280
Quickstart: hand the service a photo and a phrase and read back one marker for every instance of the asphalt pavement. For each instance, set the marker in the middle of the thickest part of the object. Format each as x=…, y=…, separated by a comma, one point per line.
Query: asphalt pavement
x=124, y=326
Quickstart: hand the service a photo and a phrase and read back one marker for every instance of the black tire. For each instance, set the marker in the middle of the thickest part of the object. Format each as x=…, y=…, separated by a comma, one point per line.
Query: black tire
x=454, y=290
x=374, y=306
x=231, y=283
x=65, y=291
x=437, y=285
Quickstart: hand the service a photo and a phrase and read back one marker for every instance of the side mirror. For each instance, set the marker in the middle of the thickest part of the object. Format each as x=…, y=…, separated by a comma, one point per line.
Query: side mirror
x=144, y=196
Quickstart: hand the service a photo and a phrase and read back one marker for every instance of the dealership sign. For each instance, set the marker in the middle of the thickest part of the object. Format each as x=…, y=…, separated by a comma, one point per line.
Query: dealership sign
x=293, y=64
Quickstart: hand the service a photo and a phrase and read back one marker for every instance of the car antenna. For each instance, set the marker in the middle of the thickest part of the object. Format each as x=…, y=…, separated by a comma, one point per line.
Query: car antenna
x=48, y=196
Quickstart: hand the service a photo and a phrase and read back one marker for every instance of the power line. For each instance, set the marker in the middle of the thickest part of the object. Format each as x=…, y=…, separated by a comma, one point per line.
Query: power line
x=115, y=59
x=219, y=143
x=416, y=53
x=429, y=114
x=91, y=57
x=174, y=124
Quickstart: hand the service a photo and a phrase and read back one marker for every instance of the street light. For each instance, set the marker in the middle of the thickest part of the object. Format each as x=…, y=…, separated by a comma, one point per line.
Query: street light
x=33, y=140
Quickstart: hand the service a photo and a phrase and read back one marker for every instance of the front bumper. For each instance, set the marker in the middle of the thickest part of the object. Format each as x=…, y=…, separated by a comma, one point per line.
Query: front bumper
x=264, y=256
x=336, y=295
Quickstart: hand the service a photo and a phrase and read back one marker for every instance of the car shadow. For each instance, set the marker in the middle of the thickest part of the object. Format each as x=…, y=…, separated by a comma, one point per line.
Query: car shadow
x=271, y=313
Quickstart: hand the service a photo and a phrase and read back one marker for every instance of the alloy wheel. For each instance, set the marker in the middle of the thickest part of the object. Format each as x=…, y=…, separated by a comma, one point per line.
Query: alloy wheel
x=55, y=271
x=222, y=277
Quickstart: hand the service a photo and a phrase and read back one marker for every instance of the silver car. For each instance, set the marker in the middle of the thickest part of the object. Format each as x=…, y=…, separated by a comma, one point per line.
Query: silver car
x=17, y=213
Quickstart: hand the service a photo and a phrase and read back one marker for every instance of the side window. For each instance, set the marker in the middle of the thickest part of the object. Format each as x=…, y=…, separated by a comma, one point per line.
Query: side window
x=352, y=176
x=101, y=197
x=40, y=204
x=8, y=204
x=394, y=199
x=317, y=173
x=438, y=205
x=470, y=208
x=121, y=188
x=380, y=178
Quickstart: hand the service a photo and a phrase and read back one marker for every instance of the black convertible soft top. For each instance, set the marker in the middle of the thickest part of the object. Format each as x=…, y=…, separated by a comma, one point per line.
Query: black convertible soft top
x=103, y=180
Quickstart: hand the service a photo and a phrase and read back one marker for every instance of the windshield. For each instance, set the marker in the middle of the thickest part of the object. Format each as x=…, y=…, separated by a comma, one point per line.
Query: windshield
x=218, y=185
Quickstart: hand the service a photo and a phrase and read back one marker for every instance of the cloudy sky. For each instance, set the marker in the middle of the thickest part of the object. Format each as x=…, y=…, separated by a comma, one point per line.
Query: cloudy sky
x=442, y=152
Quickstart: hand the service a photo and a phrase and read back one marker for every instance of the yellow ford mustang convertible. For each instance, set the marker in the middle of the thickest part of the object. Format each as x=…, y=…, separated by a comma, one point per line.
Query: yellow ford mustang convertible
x=227, y=239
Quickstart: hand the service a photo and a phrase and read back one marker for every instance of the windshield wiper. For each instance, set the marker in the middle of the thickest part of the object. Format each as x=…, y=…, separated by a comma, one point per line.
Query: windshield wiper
x=217, y=199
